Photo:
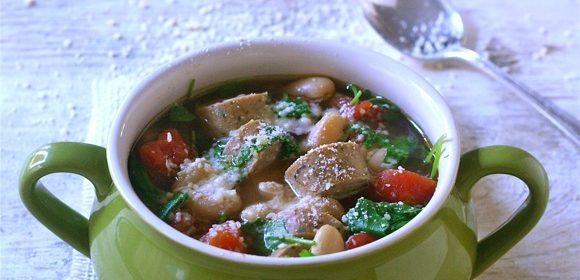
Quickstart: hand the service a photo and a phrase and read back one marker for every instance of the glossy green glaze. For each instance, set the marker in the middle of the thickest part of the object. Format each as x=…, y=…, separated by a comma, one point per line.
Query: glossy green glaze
x=122, y=246
x=86, y=160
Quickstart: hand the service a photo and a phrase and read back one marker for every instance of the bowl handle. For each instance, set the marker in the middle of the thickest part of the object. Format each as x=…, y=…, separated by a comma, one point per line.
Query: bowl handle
x=86, y=160
x=511, y=161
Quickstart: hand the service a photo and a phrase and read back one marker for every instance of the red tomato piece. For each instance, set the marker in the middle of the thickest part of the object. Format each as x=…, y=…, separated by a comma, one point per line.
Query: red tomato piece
x=227, y=235
x=366, y=110
x=359, y=239
x=163, y=156
x=394, y=185
x=173, y=146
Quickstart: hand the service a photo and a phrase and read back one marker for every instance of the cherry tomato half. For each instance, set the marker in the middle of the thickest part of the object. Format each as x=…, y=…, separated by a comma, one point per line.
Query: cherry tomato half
x=163, y=156
x=227, y=235
x=394, y=185
x=359, y=239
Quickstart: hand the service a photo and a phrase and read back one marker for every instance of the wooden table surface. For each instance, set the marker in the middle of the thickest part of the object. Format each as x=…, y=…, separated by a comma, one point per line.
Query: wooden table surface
x=52, y=52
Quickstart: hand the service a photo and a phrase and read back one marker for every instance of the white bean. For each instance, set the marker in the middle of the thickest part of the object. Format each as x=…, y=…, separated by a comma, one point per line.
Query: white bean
x=312, y=89
x=375, y=159
x=327, y=130
x=328, y=240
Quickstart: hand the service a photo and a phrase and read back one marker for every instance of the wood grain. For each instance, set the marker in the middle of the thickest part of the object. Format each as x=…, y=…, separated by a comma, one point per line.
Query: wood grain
x=51, y=51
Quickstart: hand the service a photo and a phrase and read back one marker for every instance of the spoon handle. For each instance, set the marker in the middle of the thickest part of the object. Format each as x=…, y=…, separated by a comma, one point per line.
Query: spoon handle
x=566, y=123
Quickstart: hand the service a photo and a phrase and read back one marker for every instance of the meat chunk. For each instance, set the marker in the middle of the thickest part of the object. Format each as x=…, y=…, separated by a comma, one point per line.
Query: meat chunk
x=310, y=213
x=253, y=143
x=211, y=191
x=327, y=130
x=278, y=197
x=225, y=116
x=335, y=170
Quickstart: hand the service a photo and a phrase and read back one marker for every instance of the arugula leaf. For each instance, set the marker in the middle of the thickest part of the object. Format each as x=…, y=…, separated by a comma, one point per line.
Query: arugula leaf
x=435, y=154
x=268, y=234
x=378, y=218
x=180, y=114
x=398, y=149
x=291, y=108
x=145, y=189
x=173, y=203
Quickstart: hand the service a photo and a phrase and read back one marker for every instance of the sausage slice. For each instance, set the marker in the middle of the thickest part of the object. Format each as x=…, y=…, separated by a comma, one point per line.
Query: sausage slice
x=222, y=117
x=335, y=170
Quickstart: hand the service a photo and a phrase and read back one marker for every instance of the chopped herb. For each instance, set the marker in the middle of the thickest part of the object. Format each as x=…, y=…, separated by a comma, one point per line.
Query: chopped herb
x=398, y=149
x=252, y=146
x=222, y=218
x=145, y=189
x=435, y=155
x=180, y=114
x=190, y=88
x=305, y=253
x=356, y=92
x=378, y=218
x=172, y=204
x=268, y=234
x=391, y=114
x=217, y=149
x=371, y=138
x=291, y=108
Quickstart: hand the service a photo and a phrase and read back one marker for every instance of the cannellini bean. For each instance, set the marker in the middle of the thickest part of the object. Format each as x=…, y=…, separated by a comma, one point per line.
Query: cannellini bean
x=328, y=240
x=327, y=130
x=375, y=159
x=313, y=89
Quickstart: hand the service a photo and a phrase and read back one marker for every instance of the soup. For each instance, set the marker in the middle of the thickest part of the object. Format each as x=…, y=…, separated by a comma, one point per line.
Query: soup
x=284, y=166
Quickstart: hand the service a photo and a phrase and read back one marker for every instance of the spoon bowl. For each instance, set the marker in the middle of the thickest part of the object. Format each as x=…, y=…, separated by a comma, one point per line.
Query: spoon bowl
x=432, y=30
x=420, y=29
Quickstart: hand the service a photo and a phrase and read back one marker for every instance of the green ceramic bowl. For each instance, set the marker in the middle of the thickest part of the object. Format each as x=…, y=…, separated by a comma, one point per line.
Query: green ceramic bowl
x=127, y=241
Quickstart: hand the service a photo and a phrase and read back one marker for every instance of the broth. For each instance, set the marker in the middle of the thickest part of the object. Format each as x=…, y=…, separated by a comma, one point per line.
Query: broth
x=264, y=165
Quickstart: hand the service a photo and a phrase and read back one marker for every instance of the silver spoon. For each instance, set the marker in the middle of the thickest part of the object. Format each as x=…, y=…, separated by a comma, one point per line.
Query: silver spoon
x=432, y=30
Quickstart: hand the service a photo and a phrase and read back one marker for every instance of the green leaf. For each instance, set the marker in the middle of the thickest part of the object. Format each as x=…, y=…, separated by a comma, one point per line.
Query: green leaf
x=435, y=154
x=180, y=114
x=222, y=218
x=356, y=92
x=289, y=147
x=150, y=194
x=398, y=149
x=268, y=234
x=291, y=108
x=305, y=253
x=217, y=149
x=172, y=204
x=378, y=218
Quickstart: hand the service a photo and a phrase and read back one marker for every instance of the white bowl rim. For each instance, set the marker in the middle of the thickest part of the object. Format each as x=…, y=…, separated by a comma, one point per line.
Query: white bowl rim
x=121, y=181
